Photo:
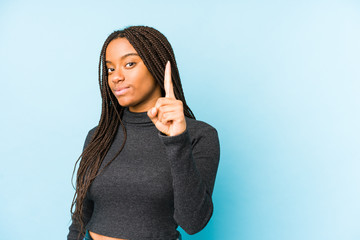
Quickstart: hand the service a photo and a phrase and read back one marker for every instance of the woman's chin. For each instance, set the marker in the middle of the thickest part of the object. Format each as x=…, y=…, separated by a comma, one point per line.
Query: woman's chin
x=125, y=103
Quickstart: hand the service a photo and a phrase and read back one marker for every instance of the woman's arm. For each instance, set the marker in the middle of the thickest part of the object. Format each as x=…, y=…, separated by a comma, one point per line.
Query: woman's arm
x=194, y=165
x=74, y=228
x=88, y=206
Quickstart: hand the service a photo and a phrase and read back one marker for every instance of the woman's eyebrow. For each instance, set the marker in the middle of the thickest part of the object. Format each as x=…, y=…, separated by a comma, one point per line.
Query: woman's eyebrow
x=124, y=56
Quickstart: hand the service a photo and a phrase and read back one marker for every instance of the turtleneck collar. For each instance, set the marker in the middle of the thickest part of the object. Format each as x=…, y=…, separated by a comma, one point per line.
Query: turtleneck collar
x=135, y=117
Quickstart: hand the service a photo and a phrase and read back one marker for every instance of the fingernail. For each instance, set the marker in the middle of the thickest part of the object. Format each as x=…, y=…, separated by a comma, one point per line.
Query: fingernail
x=153, y=111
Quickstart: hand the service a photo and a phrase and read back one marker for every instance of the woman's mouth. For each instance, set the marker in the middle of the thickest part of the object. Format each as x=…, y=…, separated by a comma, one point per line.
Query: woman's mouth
x=120, y=91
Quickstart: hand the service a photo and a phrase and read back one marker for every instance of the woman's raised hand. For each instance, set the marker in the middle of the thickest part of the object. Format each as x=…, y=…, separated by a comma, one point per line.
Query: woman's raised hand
x=168, y=113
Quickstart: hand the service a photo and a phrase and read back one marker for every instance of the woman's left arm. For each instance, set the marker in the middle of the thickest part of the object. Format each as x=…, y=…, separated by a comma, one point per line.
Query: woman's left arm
x=193, y=159
x=194, y=166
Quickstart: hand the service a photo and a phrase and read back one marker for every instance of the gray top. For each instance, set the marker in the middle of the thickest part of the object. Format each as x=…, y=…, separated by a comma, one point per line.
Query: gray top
x=155, y=184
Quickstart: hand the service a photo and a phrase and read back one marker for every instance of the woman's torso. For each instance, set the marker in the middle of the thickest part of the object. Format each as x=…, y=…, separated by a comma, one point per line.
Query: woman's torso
x=134, y=195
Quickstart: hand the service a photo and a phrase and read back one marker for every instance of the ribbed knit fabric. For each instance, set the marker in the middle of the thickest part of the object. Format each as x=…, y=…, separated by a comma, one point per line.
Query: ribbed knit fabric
x=155, y=184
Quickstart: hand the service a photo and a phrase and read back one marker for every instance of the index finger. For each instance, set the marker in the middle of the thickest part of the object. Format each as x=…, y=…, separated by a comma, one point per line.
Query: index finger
x=168, y=85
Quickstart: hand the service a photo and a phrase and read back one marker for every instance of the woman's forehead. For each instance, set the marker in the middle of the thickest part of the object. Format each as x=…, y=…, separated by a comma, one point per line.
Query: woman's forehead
x=119, y=48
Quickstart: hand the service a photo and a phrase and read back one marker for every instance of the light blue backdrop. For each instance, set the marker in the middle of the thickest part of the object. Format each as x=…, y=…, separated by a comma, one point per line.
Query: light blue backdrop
x=278, y=79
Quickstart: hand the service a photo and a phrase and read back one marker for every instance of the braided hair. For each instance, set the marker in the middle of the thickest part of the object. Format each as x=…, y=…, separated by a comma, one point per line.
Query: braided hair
x=155, y=50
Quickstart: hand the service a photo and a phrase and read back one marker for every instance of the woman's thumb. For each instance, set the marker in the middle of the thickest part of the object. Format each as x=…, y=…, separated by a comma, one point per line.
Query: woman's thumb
x=152, y=113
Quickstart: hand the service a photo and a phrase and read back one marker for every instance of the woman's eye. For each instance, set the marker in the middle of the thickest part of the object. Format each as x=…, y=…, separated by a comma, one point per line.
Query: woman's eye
x=110, y=70
x=130, y=64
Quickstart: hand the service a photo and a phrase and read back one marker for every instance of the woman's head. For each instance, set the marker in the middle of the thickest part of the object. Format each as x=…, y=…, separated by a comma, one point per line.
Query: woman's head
x=128, y=77
x=153, y=50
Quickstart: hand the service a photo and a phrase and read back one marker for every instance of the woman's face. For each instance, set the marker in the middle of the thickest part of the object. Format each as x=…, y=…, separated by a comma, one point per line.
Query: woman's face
x=128, y=78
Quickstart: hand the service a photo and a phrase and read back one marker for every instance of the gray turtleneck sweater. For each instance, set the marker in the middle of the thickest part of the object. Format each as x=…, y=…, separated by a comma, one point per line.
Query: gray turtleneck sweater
x=155, y=184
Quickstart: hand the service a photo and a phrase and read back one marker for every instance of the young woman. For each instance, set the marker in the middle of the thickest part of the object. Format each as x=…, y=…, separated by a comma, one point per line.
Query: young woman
x=156, y=171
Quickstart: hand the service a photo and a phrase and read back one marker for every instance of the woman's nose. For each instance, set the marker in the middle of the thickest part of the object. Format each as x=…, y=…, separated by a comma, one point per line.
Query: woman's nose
x=117, y=75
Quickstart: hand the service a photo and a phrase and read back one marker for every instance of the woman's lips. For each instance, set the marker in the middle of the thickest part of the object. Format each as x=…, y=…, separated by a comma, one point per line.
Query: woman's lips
x=121, y=91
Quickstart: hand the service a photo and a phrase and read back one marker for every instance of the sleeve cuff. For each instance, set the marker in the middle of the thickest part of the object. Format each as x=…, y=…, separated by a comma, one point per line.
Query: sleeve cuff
x=181, y=138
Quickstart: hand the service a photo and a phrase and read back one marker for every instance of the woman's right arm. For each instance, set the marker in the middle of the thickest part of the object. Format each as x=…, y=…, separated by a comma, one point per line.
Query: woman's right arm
x=88, y=206
x=74, y=228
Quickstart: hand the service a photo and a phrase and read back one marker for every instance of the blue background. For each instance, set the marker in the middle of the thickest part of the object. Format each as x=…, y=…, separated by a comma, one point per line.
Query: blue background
x=278, y=79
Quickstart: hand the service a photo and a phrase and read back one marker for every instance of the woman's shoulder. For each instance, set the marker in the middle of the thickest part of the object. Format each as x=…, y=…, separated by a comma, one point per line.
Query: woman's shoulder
x=91, y=132
x=89, y=136
x=198, y=127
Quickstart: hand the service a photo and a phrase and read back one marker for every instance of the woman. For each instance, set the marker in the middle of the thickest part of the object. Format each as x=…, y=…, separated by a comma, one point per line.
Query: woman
x=156, y=171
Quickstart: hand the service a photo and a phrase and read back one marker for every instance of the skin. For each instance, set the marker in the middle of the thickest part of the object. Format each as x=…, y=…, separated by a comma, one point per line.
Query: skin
x=129, y=71
x=168, y=112
x=142, y=93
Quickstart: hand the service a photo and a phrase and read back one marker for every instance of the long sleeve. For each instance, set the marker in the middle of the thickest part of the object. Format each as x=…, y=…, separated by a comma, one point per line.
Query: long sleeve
x=194, y=162
x=75, y=226
x=88, y=207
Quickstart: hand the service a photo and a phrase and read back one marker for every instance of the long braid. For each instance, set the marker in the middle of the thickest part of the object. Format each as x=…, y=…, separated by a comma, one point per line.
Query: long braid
x=155, y=50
